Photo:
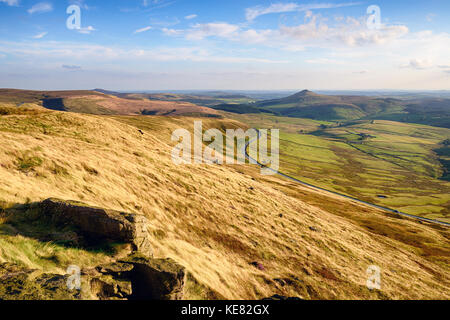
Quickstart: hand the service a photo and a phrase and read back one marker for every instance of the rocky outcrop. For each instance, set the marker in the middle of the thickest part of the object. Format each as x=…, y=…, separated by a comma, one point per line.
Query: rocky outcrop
x=100, y=224
x=135, y=276
x=160, y=279
x=138, y=278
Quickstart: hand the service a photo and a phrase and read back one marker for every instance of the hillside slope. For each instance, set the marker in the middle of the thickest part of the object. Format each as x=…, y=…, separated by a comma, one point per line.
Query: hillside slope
x=307, y=104
x=214, y=220
x=94, y=102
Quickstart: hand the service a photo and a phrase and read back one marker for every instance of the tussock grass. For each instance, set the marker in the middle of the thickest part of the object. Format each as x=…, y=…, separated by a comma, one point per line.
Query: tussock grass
x=208, y=218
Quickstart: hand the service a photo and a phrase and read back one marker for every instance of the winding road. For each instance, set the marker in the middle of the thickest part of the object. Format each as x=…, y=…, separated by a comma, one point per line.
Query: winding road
x=339, y=194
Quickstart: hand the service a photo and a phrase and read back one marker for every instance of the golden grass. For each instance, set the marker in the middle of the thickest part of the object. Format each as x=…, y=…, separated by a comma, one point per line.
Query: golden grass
x=208, y=218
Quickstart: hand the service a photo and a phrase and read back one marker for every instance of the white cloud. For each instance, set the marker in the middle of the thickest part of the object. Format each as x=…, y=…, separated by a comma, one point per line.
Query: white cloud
x=81, y=4
x=41, y=7
x=172, y=32
x=217, y=29
x=190, y=17
x=86, y=30
x=314, y=32
x=143, y=29
x=351, y=32
x=89, y=53
x=11, y=2
x=254, y=12
x=40, y=35
x=430, y=17
x=419, y=64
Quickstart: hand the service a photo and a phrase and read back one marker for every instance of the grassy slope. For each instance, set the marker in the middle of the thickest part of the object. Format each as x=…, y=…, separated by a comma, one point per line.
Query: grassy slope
x=208, y=218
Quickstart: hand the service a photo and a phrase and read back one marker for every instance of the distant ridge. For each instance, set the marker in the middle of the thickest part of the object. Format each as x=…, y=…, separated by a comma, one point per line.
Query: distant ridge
x=304, y=93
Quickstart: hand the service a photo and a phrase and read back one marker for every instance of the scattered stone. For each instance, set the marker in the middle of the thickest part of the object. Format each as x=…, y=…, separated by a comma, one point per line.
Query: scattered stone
x=314, y=229
x=280, y=215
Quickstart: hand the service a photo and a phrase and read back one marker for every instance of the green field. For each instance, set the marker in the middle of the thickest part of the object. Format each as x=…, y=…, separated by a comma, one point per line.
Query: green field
x=388, y=163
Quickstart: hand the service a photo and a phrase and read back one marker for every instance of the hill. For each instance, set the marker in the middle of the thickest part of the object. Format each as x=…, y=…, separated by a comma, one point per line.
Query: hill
x=94, y=102
x=307, y=104
x=239, y=235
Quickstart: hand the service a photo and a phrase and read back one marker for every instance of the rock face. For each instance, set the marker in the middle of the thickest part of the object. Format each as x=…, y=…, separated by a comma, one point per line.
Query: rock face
x=138, y=278
x=100, y=224
x=157, y=279
x=130, y=277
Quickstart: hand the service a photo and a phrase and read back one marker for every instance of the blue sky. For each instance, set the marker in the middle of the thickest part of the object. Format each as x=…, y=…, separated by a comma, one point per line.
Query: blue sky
x=239, y=45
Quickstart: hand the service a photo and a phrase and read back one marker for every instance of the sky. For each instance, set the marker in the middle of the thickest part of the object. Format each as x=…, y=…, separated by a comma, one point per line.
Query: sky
x=225, y=45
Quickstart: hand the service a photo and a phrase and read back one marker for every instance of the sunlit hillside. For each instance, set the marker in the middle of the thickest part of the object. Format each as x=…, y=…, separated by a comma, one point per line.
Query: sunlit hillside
x=217, y=221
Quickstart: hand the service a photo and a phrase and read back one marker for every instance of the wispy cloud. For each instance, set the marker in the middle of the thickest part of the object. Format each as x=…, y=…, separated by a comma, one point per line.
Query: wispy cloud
x=190, y=17
x=81, y=3
x=220, y=29
x=86, y=30
x=90, y=53
x=324, y=61
x=11, y=2
x=142, y=29
x=254, y=12
x=71, y=67
x=40, y=35
x=430, y=17
x=41, y=7
x=156, y=4
x=418, y=64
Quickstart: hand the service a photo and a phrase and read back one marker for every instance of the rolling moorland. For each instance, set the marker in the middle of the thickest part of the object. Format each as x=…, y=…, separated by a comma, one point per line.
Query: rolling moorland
x=239, y=235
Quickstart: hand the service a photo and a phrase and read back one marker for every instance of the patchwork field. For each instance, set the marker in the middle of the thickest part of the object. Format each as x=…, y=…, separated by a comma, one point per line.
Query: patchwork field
x=392, y=164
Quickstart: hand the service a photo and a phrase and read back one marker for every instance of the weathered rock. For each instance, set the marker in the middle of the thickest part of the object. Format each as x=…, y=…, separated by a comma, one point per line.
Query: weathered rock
x=115, y=268
x=156, y=279
x=100, y=224
x=109, y=288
